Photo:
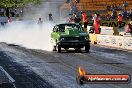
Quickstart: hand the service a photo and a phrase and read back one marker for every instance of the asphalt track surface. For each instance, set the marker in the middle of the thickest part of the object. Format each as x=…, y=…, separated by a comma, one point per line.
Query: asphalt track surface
x=43, y=69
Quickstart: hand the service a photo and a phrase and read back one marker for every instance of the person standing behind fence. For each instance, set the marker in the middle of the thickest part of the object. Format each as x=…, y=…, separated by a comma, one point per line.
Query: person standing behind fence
x=73, y=6
x=50, y=17
x=77, y=19
x=97, y=19
x=85, y=20
x=40, y=21
x=120, y=20
x=129, y=28
x=9, y=20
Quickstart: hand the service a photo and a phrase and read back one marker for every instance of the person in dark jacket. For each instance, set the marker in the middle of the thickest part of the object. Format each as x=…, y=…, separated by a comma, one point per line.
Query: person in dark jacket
x=50, y=17
x=77, y=19
x=40, y=21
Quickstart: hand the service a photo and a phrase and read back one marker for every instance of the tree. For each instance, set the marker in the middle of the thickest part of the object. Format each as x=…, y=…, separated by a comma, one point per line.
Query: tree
x=17, y=3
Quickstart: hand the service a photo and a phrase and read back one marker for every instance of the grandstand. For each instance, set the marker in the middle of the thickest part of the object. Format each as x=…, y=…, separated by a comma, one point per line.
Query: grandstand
x=100, y=5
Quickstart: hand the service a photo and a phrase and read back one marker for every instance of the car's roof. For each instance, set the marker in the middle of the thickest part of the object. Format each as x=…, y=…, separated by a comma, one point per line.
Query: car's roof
x=67, y=23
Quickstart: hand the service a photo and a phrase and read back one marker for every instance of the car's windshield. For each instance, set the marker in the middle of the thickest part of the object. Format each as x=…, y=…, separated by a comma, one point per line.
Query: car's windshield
x=74, y=26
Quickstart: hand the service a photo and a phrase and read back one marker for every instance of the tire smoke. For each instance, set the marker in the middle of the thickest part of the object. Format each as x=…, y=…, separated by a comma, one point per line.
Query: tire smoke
x=31, y=36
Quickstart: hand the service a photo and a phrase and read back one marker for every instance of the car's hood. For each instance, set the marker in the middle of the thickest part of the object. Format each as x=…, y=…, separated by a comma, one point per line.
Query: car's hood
x=73, y=32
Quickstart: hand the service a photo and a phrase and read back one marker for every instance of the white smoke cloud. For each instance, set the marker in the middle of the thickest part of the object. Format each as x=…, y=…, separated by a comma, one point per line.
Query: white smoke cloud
x=43, y=10
x=31, y=35
x=28, y=35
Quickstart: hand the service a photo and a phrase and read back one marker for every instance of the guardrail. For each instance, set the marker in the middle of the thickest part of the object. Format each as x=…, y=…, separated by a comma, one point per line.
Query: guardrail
x=122, y=42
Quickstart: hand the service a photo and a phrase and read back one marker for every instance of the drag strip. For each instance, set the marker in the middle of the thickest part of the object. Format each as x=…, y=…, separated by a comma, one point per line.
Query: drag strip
x=24, y=77
x=60, y=69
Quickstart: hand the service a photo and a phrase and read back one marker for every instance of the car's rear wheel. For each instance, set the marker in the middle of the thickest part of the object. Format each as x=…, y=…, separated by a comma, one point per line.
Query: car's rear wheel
x=87, y=47
x=59, y=49
x=54, y=48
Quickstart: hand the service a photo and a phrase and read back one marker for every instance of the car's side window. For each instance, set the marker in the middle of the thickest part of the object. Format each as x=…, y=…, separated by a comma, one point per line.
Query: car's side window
x=61, y=28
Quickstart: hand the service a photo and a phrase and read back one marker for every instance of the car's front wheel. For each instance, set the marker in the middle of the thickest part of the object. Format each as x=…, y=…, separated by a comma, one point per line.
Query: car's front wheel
x=87, y=47
x=77, y=49
x=59, y=49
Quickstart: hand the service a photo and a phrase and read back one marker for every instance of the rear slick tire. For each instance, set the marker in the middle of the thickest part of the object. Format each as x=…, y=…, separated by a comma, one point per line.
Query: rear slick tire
x=54, y=48
x=59, y=49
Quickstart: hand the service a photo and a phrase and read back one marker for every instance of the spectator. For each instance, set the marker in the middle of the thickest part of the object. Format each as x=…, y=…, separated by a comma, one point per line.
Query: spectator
x=2, y=10
x=12, y=13
x=50, y=17
x=71, y=20
x=85, y=20
x=68, y=1
x=120, y=17
x=9, y=20
x=130, y=16
x=97, y=19
x=129, y=27
x=7, y=12
x=40, y=21
x=17, y=12
x=74, y=15
x=114, y=14
x=77, y=19
x=73, y=5
x=108, y=8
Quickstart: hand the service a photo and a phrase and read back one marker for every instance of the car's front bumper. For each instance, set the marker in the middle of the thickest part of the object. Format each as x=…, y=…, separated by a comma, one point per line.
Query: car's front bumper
x=73, y=44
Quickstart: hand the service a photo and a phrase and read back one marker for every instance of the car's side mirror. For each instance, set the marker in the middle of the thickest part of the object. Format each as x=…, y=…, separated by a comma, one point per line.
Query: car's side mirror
x=54, y=29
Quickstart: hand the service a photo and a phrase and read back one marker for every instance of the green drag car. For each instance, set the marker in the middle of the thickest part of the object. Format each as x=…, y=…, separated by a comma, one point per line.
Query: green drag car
x=69, y=35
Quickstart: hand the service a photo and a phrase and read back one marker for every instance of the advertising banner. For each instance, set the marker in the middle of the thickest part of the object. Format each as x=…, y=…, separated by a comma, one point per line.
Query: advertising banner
x=115, y=41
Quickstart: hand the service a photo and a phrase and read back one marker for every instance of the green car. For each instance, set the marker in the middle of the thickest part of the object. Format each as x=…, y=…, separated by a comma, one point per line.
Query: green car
x=69, y=35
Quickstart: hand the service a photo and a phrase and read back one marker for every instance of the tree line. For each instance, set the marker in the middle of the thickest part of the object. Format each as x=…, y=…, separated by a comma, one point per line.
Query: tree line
x=17, y=3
